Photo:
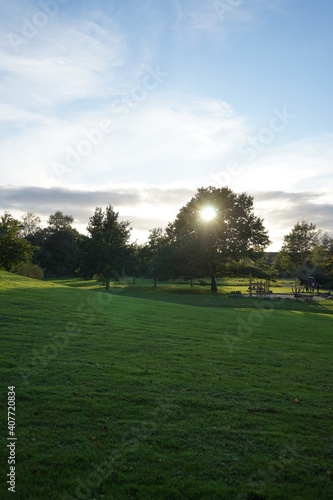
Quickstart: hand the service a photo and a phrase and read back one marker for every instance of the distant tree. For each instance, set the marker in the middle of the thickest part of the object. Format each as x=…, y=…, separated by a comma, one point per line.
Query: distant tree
x=57, y=246
x=14, y=250
x=30, y=224
x=160, y=255
x=58, y=221
x=284, y=264
x=299, y=243
x=62, y=252
x=322, y=249
x=106, y=251
x=328, y=267
x=321, y=258
x=62, y=245
x=134, y=263
x=232, y=233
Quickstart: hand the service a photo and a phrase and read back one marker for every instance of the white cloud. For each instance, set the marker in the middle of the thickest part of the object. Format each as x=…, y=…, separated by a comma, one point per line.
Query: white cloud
x=150, y=206
x=179, y=139
x=79, y=71
x=292, y=167
x=62, y=63
x=223, y=16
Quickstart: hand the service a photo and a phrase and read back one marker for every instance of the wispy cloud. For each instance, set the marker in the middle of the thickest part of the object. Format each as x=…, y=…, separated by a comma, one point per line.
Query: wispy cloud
x=292, y=167
x=176, y=138
x=81, y=64
x=87, y=66
x=282, y=210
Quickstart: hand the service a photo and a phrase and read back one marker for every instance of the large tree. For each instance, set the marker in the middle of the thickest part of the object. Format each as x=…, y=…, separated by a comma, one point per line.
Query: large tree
x=216, y=226
x=14, y=250
x=106, y=251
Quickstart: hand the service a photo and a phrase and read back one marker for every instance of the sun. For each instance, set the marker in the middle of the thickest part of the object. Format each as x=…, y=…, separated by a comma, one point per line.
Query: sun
x=208, y=213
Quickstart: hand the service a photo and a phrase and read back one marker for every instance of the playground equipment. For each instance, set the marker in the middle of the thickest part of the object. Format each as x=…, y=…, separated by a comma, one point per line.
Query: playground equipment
x=310, y=284
x=296, y=290
x=259, y=288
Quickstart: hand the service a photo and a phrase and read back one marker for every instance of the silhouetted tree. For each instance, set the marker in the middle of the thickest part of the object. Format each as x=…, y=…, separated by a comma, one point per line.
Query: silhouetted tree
x=232, y=233
x=106, y=251
x=57, y=246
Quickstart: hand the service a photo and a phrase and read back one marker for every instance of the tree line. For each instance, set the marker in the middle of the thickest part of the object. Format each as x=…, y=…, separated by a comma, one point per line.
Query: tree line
x=230, y=241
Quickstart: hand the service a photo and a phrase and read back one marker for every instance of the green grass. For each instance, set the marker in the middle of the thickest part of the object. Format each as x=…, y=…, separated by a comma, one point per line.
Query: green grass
x=225, y=285
x=165, y=393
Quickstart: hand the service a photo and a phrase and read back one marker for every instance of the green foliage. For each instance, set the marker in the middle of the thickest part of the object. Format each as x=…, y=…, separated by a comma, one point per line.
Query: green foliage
x=299, y=243
x=106, y=250
x=233, y=234
x=193, y=247
x=31, y=271
x=161, y=255
x=283, y=262
x=14, y=250
x=59, y=221
x=57, y=247
x=306, y=252
x=30, y=224
x=257, y=268
x=62, y=252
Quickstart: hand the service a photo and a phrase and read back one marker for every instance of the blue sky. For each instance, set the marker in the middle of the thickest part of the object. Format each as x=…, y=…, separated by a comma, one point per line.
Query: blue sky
x=138, y=104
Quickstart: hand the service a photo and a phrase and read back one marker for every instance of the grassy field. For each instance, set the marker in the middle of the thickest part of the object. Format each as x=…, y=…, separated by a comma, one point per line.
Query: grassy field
x=166, y=393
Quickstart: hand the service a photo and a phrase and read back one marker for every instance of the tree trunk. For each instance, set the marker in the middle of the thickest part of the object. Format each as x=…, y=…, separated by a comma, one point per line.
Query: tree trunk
x=191, y=282
x=133, y=280
x=213, y=286
x=155, y=279
x=107, y=283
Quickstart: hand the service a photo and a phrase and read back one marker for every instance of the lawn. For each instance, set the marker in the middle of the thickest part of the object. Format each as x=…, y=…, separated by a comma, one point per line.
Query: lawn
x=165, y=393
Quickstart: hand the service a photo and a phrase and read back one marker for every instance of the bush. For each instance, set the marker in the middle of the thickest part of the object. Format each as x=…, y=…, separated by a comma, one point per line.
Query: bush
x=31, y=271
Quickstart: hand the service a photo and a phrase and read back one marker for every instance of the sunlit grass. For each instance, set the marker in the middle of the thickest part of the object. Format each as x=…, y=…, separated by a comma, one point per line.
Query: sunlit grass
x=166, y=392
